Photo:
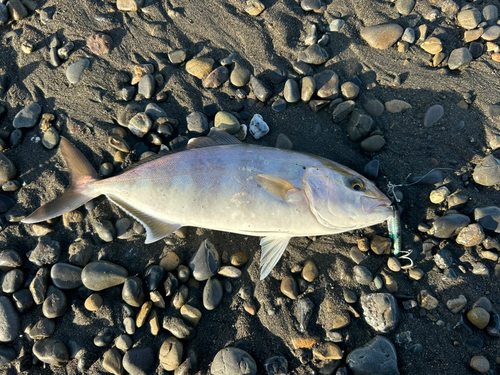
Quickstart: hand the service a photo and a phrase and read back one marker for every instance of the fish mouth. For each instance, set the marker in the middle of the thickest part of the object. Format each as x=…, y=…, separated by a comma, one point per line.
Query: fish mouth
x=375, y=204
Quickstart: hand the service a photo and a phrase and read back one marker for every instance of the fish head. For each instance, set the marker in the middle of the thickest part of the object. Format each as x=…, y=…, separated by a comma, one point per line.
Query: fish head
x=343, y=199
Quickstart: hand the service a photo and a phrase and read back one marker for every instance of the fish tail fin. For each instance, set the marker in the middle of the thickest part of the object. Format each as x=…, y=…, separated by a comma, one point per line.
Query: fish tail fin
x=83, y=175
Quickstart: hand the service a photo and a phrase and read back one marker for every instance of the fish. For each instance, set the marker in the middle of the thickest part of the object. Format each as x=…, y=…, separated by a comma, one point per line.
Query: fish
x=220, y=183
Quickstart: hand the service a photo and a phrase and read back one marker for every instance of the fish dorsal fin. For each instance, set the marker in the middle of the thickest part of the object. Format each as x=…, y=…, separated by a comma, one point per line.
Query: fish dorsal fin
x=278, y=187
x=155, y=229
x=216, y=137
x=273, y=248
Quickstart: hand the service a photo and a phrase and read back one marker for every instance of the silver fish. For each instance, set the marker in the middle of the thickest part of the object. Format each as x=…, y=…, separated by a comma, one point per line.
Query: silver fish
x=222, y=184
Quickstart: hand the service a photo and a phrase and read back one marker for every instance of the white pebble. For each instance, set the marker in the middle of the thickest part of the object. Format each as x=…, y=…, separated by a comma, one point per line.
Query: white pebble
x=258, y=127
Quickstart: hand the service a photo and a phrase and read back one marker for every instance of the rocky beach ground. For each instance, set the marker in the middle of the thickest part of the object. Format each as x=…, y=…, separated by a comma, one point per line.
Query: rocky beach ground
x=395, y=90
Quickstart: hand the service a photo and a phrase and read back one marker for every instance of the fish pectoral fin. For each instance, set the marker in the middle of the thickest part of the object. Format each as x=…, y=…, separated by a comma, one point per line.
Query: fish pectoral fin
x=278, y=187
x=216, y=137
x=273, y=248
x=155, y=229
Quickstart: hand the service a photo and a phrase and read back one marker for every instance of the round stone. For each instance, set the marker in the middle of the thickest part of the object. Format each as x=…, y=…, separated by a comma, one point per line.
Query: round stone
x=327, y=351
x=226, y=121
x=396, y=106
x=433, y=115
x=233, y=361
x=349, y=90
x=170, y=261
x=487, y=172
x=93, y=302
x=212, y=293
x=147, y=86
x=239, y=76
x=205, y=262
x=439, y=195
x=104, y=337
x=374, y=107
x=469, y=18
x=12, y=281
x=129, y=5
x=254, y=7
x=74, y=72
x=9, y=320
x=291, y=92
x=327, y=84
x=197, y=122
x=480, y=364
x=177, y=327
x=199, y=66
x=491, y=33
x=310, y=271
x=132, y=291
x=373, y=143
x=100, y=44
x=289, y=287
x=490, y=14
x=239, y=259
x=459, y=58
x=432, y=45
x=382, y=36
x=190, y=314
x=376, y=357
x=112, y=362
x=394, y=264
x=471, y=235
x=258, y=127
x=101, y=274
x=216, y=78
x=260, y=91
x=171, y=354
x=50, y=138
x=51, y=351
x=27, y=117
x=139, y=361
x=66, y=276
x=42, y=329
x=314, y=54
x=362, y=275
x=55, y=303
x=479, y=317
x=140, y=124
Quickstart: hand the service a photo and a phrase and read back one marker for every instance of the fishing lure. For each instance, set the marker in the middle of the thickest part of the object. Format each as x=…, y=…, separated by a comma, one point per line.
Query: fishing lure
x=394, y=227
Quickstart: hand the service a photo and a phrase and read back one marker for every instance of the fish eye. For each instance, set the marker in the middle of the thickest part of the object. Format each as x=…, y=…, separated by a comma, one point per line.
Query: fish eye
x=357, y=184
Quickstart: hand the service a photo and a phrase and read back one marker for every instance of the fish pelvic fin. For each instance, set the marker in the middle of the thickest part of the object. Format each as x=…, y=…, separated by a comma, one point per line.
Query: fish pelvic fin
x=278, y=187
x=273, y=248
x=155, y=229
x=82, y=175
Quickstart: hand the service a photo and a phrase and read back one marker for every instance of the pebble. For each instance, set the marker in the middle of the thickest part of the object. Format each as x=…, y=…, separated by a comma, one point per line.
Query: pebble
x=433, y=115
x=205, y=262
x=171, y=354
x=408, y=35
x=396, y=106
x=276, y=365
x=23, y=300
x=4, y=16
x=233, y=361
x=308, y=88
x=469, y=18
x=327, y=84
x=27, y=117
x=7, y=169
x=100, y=44
x=106, y=231
x=74, y=72
x=471, y=235
x=101, y=274
x=46, y=252
x=12, y=281
x=427, y=301
x=104, y=337
x=177, y=56
x=394, y=264
x=129, y=5
x=15, y=138
x=258, y=127
x=170, y=284
x=17, y=10
x=197, y=122
x=80, y=252
x=472, y=35
x=493, y=328
x=7, y=354
x=66, y=276
x=291, y=92
x=315, y=55
x=432, y=45
x=310, y=271
x=487, y=172
x=190, y=314
x=480, y=364
x=55, y=303
x=147, y=86
x=349, y=90
x=123, y=342
x=261, y=92
x=129, y=325
x=230, y=271
x=289, y=287
x=170, y=261
x=476, y=50
x=177, y=327
x=380, y=311
x=50, y=138
x=239, y=259
x=199, y=66
x=212, y=293
x=459, y=58
x=376, y=357
x=480, y=269
x=254, y=7
x=449, y=225
x=302, y=68
x=153, y=275
x=51, y=351
x=132, y=291
x=439, y=195
x=139, y=361
x=143, y=314
x=112, y=362
x=9, y=320
x=359, y=125
x=373, y=143
x=443, y=259
x=239, y=76
x=490, y=14
x=416, y=274
x=216, y=78
x=456, y=305
x=93, y=302
x=336, y=25
x=479, y=317
x=431, y=178
x=226, y=121
x=488, y=218
x=382, y=36
x=342, y=110
x=362, y=275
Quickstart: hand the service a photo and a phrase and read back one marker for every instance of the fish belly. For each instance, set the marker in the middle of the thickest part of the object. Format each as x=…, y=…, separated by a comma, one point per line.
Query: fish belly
x=215, y=188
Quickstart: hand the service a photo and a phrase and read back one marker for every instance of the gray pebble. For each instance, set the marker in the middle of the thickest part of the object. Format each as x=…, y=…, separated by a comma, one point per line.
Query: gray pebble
x=104, y=337
x=376, y=357
x=197, y=122
x=4, y=16
x=132, y=291
x=488, y=217
x=9, y=320
x=443, y=259
x=491, y=33
x=327, y=84
x=480, y=269
x=101, y=274
x=74, y=72
x=380, y=311
x=123, y=342
x=178, y=56
x=362, y=275
x=154, y=275
x=28, y=116
x=66, y=276
x=139, y=361
x=291, y=91
x=42, y=329
x=12, y=281
x=55, y=303
x=314, y=54
x=449, y=225
x=349, y=90
x=382, y=36
x=336, y=25
x=487, y=172
x=216, y=78
x=51, y=351
x=105, y=230
x=80, y=252
x=228, y=60
x=50, y=138
x=372, y=169
x=408, y=35
x=129, y=324
x=154, y=111
x=38, y=286
x=86, y=360
x=233, y=361
x=106, y=170
x=10, y=259
x=15, y=138
x=490, y=14
x=258, y=127
x=405, y=7
x=46, y=252
x=112, y=362
x=127, y=93
x=205, y=262
x=469, y=18
x=343, y=110
x=433, y=115
x=359, y=125
x=178, y=327
x=302, y=68
x=239, y=76
x=212, y=293
x=54, y=59
x=140, y=124
x=7, y=354
x=147, y=86
x=279, y=105
x=459, y=58
x=260, y=91
x=23, y=300
x=373, y=143
x=308, y=88
x=183, y=273
x=7, y=169
x=432, y=178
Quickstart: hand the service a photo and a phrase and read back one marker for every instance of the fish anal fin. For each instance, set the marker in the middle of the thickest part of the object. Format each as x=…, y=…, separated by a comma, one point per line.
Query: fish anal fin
x=155, y=229
x=278, y=187
x=273, y=248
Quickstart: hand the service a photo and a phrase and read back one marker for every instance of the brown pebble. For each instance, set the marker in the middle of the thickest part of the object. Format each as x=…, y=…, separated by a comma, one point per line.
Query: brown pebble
x=140, y=71
x=251, y=309
x=310, y=271
x=46, y=121
x=340, y=319
x=479, y=317
x=480, y=364
x=394, y=264
x=118, y=143
x=327, y=351
x=72, y=217
x=154, y=323
x=143, y=314
x=100, y=44
x=170, y=261
x=239, y=259
x=416, y=274
x=304, y=342
x=28, y=46
x=289, y=287
x=381, y=245
x=93, y=302
x=496, y=57
x=190, y=314
x=363, y=244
